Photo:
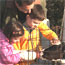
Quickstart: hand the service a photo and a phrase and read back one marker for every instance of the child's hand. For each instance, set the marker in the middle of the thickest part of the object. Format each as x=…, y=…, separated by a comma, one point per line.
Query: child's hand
x=55, y=42
x=26, y=55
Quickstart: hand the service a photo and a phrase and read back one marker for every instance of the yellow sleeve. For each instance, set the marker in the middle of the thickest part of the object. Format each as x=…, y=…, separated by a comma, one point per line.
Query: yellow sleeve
x=46, y=31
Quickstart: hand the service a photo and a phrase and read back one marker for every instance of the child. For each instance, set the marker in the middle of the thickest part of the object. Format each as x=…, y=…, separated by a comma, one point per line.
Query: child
x=6, y=50
x=11, y=34
x=34, y=24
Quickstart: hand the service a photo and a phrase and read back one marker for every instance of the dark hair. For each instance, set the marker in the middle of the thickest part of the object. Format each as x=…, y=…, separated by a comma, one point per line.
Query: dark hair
x=37, y=12
x=13, y=29
x=27, y=2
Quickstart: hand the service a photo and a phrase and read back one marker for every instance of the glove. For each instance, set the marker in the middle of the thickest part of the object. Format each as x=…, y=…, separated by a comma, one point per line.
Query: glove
x=28, y=55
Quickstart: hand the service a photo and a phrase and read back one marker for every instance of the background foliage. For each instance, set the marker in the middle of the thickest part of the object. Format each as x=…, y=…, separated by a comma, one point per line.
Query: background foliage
x=55, y=10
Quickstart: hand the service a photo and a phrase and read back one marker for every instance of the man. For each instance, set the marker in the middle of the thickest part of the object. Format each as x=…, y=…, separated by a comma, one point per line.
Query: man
x=17, y=10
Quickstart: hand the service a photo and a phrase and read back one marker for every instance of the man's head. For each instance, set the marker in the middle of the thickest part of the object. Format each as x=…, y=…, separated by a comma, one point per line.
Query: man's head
x=25, y=5
x=35, y=17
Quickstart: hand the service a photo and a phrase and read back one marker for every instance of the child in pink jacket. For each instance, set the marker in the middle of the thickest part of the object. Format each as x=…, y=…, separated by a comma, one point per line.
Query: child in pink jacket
x=6, y=52
x=8, y=55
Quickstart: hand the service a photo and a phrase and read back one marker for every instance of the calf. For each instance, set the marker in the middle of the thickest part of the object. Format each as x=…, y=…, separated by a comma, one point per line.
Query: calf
x=54, y=52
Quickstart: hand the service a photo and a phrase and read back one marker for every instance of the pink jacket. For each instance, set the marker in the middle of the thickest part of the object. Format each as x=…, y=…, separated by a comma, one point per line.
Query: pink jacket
x=6, y=52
